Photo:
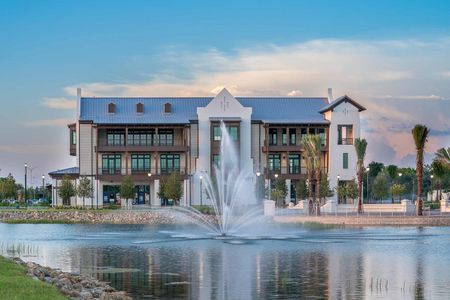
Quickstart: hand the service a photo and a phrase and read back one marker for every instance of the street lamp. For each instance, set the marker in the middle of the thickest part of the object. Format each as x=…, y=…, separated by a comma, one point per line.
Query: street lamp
x=338, y=179
x=276, y=175
x=367, y=185
x=25, y=194
x=43, y=186
x=149, y=183
x=431, y=187
x=201, y=190
x=258, y=173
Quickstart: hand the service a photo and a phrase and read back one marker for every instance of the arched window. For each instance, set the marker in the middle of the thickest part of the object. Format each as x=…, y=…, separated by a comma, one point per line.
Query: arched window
x=111, y=108
x=139, y=108
x=167, y=108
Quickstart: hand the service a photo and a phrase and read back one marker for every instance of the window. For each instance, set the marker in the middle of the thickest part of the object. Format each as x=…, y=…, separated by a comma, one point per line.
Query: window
x=216, y=160
x=272, y=136
x=140, y=163
x=294, y=164
x=345, y=160
x=232, y=131
x=312, y=131
x=303, y=133
x=73, y=137
x=139, y=108
x=111, y=163
x=322, y=136
x=165, y=137
x=284, y=136
x=274, y=162
x=345, y=134
x=292, y=136
x=115, y=137
x=111, y=108
x=167, y=108
x=140, y=137
x=170, y=163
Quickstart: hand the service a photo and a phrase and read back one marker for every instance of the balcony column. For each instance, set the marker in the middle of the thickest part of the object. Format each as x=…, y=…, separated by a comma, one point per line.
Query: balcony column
x=157, y=163
x=126, y=152
x=157, y=137
x=287, y=163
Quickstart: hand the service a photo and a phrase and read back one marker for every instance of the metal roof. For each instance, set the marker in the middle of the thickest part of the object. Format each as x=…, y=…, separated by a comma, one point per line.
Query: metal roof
x=339, y=100
x=184, y=109
x=68, y=171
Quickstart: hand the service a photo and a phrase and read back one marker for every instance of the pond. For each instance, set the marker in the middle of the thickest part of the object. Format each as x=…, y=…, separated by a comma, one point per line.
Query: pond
x=295, y=262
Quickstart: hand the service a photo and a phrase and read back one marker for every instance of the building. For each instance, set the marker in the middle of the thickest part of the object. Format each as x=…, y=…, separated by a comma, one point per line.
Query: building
x=149, y=138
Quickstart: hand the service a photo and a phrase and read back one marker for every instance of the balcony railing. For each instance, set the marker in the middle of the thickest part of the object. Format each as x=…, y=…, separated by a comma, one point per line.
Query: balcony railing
x=141, y=172
x=346, y=141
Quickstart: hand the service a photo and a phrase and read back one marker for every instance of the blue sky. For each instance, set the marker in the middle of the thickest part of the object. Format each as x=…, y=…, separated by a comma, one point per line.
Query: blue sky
x=392, y=56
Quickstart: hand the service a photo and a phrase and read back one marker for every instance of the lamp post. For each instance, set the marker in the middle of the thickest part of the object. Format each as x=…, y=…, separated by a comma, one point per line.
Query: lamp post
x=431, y=187
x=201, y=190
x=25, y=194
x=43, y=186
x=149, y=175
x=338, y=181
x=367, y=185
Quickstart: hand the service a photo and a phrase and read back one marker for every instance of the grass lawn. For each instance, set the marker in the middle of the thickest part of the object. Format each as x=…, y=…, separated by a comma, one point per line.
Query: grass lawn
x=15, y=284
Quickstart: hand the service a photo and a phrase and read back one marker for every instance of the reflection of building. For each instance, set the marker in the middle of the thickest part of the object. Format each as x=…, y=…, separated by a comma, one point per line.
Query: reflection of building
x=149, y=138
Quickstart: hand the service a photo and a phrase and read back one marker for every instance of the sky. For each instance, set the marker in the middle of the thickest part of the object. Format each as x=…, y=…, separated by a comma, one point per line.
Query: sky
x=391, y=56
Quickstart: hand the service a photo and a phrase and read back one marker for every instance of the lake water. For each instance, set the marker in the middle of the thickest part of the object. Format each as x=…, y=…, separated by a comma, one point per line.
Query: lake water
x=295, y=262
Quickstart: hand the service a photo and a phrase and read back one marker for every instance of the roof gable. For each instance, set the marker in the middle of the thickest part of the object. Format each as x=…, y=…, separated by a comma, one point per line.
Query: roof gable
x=338, y=101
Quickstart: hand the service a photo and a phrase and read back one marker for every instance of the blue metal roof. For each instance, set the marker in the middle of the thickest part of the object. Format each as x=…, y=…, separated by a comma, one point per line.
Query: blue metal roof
x=184, y=109
x=68, y=171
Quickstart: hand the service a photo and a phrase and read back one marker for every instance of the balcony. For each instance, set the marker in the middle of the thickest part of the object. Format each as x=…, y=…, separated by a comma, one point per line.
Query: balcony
x=345, y=141
x=117, y=174
x=289, y=172
x=163, y=145
x=286, y=147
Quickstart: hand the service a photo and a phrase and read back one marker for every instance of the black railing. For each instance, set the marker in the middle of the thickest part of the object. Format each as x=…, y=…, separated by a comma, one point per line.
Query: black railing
x=346, y=141
x=142, y=172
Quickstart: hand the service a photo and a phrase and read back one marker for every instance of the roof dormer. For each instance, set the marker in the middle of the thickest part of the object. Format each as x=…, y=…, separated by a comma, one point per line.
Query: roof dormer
x=111, y=108
x=140, y=108
x=167, y=108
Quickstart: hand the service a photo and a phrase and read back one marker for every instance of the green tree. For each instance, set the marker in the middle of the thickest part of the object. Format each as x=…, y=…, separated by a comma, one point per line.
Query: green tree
x=375, y=168
x=420, y=136
x=341, y=191
x=301, y=189
x=360, y=147
x=380, y=186
x=309, y=159
x=397, y=190
x=279, y=191
x=392, y=171
x=173, y=188
x=325, y=190
x=440, y=171
x=315, y=148
x=127, y=189
x=8, y=187
x=66, y=190
x=351, y=189
x=85, y=189
x=443, y=155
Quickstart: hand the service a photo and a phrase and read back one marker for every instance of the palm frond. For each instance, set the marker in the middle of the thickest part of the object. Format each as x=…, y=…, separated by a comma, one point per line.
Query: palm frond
x=443, y=156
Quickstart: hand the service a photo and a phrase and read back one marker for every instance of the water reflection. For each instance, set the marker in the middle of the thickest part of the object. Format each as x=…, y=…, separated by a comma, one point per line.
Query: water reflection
x=373, y=263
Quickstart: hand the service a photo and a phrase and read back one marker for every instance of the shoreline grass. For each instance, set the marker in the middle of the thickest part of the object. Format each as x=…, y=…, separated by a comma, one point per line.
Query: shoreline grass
x=16, y=285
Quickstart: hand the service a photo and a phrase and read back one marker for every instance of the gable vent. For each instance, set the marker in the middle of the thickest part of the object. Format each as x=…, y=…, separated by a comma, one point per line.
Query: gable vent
x=167, y=108
x=140, y=108
x=111, y=108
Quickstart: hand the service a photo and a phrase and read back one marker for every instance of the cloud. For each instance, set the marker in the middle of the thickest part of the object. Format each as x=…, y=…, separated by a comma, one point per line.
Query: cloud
x=401, y=82
x=48, y=122
x=59, y=103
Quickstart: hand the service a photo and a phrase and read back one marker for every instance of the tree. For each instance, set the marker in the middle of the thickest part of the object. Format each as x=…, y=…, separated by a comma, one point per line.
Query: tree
x=380, y=186
x=360, y=147
x=66, y=190
x=8, y=187
x=420, y=135
x=279, y=191
x=127, y=188
x=308, y=152
x=315, y=148
x=85, y=189
x=392, y=171
x=301, y=189
x=397, y=190
x=440, y=170
x=375, y=168
x=325, y=190
x=352, y=190
x=443, y=155
x=341, y=191
x=173, y=188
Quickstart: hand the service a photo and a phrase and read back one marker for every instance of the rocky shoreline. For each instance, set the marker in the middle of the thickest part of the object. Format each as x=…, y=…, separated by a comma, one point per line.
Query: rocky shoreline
x=74, y=286
x=152, y=217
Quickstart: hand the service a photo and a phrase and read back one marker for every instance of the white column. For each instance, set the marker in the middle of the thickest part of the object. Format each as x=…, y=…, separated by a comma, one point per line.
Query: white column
x=287, y=199
x=185, y=200
x=156, y=201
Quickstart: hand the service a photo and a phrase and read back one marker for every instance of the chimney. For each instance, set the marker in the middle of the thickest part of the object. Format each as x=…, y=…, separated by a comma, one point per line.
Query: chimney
x=78, y=103
x=330, y=95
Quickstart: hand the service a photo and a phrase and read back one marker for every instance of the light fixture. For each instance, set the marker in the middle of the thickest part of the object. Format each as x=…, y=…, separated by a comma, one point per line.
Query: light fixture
x=338, y=177
x=431, y=176
x=258, y=173
x=25, y=164
x=149, y=174
x=276, y=175
x=43, y=177
x=400, y=174
x=367, y=169
x=201, y=177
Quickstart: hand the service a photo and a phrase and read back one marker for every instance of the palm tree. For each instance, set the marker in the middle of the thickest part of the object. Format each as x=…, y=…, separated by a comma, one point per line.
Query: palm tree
x=315, y=146
x=360, y=147
x=420, y=134
x=443, y=156
x=308, y=152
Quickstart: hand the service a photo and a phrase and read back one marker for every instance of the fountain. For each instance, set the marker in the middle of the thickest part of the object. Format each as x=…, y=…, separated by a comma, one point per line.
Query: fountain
x=231, y=192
